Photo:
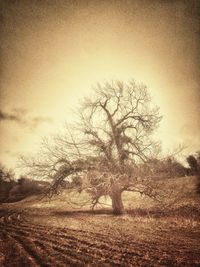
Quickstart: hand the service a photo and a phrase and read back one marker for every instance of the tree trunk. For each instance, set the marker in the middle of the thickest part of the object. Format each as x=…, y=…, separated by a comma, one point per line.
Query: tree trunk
x=117, y=204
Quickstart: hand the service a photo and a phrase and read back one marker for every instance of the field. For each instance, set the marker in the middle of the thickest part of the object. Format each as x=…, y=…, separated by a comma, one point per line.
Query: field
x=39, y=233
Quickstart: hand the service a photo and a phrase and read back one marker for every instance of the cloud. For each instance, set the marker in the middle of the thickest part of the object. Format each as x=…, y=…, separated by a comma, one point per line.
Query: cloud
x=20, y=116
x=36, y=121
x=10, y=117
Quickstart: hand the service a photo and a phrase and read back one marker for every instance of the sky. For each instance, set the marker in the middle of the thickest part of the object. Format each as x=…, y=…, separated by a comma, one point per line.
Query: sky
x=54, y=52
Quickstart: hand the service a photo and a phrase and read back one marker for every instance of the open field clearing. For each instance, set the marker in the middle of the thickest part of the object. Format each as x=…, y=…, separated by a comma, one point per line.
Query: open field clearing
x=36, y=233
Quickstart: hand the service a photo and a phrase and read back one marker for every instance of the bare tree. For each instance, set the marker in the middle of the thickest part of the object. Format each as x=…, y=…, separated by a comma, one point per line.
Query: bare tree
x=7, y=181
x=109, y=150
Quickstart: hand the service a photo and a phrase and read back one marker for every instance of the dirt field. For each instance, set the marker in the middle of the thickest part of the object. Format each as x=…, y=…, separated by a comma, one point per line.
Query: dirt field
x=42, y=233
x=50, y=237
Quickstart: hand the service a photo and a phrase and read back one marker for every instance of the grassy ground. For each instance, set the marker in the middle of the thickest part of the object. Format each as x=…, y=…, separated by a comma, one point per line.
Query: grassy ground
x=42, y=233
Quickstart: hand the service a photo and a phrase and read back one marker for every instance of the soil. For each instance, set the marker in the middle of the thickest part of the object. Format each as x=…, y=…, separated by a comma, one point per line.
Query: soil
x=49, y=237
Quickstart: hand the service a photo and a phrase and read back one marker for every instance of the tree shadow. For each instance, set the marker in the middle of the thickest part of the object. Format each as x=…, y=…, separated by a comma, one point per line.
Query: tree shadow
x=183, y=211
x=74, y=213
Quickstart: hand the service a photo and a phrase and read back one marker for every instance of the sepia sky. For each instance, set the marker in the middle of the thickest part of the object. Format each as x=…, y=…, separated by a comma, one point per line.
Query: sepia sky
x=52, y=52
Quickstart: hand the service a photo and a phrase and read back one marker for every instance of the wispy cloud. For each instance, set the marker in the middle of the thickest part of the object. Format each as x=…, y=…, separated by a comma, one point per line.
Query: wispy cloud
x=20, y=116
x=36, y=121
x=9, y=116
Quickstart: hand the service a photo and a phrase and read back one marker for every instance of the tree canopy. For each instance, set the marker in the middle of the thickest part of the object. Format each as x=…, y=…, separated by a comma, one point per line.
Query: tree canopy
x=110, y=148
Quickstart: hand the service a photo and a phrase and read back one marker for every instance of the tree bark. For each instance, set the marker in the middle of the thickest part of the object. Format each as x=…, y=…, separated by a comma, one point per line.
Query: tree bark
x=117, y=204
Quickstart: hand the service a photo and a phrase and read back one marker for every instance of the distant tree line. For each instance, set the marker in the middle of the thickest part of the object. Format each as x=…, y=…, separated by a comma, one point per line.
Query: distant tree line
x=194, y=163
x=12, y=189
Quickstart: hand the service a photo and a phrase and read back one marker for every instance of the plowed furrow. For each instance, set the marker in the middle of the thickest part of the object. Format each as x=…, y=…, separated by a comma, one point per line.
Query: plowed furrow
x=64, y=245
x=79, y=250
x=66, y=249
x=87, y=244
x=10, y=217
x=54, y=247
x=15, y=254
x=69, y=230
x=57, y=233
x=60, y=248
x=64, y=260
x=43, y=255
x=85, y=241
x=40, y=258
